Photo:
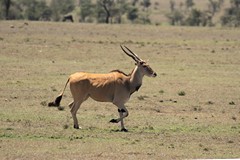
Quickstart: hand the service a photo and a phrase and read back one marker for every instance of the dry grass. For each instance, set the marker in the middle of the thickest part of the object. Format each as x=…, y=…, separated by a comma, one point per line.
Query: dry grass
x=36, y=59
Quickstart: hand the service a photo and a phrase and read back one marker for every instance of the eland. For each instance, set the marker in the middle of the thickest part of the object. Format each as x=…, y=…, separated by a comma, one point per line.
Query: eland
x=115, y=87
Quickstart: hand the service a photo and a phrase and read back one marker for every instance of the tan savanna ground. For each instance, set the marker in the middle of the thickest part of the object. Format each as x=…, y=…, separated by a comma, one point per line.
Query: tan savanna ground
x=191, y=110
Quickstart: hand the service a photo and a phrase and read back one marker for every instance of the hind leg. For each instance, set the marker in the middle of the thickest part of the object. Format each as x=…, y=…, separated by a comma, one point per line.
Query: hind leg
x=74, y=109
x=79, y=94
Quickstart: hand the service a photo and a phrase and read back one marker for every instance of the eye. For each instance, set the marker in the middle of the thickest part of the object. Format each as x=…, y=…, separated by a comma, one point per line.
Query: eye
x=144, y=66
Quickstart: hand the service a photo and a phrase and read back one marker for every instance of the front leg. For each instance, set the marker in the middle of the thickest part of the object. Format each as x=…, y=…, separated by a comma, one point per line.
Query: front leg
x=123, y=112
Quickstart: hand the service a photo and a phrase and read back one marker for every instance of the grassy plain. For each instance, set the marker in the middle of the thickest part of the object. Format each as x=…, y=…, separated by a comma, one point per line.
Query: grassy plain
x=191, y=110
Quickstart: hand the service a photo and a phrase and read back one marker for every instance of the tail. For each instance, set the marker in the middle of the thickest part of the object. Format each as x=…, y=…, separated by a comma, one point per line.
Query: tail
x=57, y=101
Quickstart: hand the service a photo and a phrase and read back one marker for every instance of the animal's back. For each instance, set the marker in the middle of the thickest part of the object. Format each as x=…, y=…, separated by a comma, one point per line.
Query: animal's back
x=96, y=80
x=100, y=87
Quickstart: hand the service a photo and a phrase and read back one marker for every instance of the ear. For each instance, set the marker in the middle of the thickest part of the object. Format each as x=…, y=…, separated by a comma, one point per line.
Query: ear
x=141, y=62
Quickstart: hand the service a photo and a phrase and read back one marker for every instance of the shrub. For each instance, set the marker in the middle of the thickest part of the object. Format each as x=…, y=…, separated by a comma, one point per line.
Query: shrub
x=181, y=93
x=61, y=7
x=231, y=16
x=37, y=10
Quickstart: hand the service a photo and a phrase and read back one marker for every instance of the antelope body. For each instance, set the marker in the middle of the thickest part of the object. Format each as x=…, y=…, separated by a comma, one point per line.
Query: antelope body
x=115, y=87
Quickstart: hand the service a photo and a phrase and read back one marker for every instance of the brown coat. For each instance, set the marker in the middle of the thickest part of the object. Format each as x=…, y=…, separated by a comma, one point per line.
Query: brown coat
x=100, y=87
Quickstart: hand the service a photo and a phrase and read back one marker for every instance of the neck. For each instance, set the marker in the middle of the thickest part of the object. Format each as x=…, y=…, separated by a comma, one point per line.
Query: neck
x=135, y=80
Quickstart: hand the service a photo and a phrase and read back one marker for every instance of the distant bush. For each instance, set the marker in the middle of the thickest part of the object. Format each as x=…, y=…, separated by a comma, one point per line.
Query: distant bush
x=191, y=16
x=132, y=14
x=86, y=10
x=176, y=17
x=194, y=18
x=231, y=16
x=10, y=10
x=37, y=10
x=60, y=8
x=181, y=93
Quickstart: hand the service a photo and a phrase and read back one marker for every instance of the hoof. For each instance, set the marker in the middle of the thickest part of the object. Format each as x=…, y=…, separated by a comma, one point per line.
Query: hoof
x=124, y=130
x=76, y=127
x=51, y=104
x=113, y=121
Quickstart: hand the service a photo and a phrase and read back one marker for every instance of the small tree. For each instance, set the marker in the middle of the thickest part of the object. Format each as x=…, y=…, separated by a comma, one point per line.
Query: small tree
x=110, y=11
x=231, y=16
x=214, y=6
x=132, y=14
x=146, y=4
x=134, y=2
x=235, y=3
x=85, y=9
x=120, y=8
x=189, y=4
x=15, y=10
x=176, y=17
x=4, y=8
x=104, y=10
x=37, y=10
x=172, y=5
x=61, y=7
x=195, y=18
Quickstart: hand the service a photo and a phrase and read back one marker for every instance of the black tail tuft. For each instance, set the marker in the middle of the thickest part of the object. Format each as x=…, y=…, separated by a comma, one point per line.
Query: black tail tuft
x=56, y=103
